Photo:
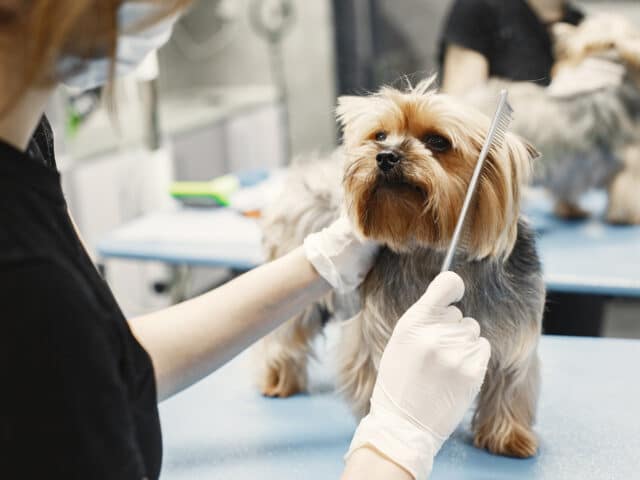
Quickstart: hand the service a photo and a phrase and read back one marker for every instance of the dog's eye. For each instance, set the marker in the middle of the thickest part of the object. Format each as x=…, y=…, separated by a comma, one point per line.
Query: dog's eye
x=381, y=136
x=436, y=142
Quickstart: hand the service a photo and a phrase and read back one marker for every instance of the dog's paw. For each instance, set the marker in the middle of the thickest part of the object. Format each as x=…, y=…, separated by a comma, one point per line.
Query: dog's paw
x=569, y=211
x=283, y=379
x=623, y=207
x=516, y=441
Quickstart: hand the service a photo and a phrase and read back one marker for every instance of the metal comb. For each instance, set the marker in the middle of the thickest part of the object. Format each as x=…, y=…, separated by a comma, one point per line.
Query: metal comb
x=497, y=131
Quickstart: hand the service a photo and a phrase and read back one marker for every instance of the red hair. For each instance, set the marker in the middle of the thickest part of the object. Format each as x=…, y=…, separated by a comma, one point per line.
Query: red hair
x=34, y=34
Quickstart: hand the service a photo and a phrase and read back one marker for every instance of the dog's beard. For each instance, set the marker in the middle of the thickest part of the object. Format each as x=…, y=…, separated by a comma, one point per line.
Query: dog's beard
x=400, y=209
x=418, y=204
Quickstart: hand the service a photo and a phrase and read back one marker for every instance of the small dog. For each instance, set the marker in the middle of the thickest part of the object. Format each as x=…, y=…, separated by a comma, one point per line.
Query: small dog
x=401, y=175
x=588, y=139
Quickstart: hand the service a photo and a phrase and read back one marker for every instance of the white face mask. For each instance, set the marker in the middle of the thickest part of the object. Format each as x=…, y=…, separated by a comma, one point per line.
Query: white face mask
x=133, y=47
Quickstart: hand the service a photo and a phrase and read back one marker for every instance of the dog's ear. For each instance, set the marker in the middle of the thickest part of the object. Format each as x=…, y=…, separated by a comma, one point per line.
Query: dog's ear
x=507, y=171
x=521, y=155
x=534, y=154
x=351, y=107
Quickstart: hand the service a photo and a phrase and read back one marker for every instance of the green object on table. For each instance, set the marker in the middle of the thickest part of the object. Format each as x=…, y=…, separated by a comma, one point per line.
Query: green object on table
x=218, y=190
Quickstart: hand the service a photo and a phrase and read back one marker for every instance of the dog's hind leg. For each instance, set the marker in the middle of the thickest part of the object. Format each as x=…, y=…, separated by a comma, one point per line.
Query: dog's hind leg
x=623, y=206
x=506, y=407
x=569, y=210
x=286, y=353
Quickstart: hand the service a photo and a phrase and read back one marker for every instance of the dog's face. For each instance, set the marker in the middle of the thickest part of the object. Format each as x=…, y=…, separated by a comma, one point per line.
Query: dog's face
x=409, y=158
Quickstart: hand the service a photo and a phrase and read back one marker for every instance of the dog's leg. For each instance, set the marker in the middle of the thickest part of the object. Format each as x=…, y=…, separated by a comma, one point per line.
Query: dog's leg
x=358, y=364
x=286, y=351
x=569, y=210
x=506, y=407
x=623, y=206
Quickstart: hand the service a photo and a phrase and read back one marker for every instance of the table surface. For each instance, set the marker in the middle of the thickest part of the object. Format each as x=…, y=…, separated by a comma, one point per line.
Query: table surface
x=582, y=256
x=588, y=424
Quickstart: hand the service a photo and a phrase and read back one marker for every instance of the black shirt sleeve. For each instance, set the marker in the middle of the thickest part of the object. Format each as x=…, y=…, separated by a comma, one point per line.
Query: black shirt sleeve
x=469, y=24
x=64, y=409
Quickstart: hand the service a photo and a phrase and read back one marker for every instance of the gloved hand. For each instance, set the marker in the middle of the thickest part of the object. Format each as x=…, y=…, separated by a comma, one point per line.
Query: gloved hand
x=430, y=372
x=339, y=256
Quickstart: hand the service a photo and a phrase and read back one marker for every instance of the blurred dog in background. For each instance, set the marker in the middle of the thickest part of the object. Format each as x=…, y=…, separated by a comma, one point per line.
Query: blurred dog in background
x=401, y=175
x=586, y=123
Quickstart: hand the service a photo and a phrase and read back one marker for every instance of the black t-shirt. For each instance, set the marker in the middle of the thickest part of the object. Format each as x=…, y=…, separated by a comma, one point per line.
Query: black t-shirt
x=77, y=391
x=508, y=33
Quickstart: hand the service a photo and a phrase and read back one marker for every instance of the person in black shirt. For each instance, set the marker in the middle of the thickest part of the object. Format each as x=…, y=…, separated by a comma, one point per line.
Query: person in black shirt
x=512, y=40
x=494, y=38
x=80, y=383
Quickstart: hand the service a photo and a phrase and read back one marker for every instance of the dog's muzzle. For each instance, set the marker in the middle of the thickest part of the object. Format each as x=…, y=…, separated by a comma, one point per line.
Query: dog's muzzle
x=387, y=160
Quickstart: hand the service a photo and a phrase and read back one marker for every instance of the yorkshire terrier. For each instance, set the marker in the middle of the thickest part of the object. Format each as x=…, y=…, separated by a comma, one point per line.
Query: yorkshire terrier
x=401, y=175
x=588, y=139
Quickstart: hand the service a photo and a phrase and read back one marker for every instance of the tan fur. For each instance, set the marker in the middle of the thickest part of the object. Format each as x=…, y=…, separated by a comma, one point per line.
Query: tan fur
x=624, y=191
x=597, y=35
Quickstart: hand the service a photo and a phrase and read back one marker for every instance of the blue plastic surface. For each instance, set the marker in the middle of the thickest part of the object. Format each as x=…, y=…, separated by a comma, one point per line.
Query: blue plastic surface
x=191, y=236
x=588, y=424
x=584, y=256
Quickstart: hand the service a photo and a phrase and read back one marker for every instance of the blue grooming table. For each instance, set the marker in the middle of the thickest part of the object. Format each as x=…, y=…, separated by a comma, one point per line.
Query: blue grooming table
x=588, y=424
x=583, y=257
x=586, y=256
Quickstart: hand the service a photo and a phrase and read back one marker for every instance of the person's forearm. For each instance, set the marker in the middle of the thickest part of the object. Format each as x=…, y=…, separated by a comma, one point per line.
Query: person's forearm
x=366, y=463
x=188, y=341
x=463, y=70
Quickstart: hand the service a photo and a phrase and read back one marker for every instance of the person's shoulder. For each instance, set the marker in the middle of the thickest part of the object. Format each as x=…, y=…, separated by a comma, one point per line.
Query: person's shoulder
x=469, y=24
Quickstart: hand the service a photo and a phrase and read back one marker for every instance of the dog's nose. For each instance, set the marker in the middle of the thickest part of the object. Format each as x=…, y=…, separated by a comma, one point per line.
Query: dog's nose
x=387, y=160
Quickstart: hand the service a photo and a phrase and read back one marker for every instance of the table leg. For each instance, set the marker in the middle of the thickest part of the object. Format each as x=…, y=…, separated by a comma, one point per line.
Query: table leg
x=180, y=283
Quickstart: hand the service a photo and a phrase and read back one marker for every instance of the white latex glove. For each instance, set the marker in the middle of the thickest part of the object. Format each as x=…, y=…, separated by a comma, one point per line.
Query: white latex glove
x=430, y=372
x=339, y=256
x=590, y=75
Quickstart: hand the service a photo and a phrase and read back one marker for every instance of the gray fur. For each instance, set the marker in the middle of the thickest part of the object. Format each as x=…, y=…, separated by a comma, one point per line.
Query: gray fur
x=579, y=137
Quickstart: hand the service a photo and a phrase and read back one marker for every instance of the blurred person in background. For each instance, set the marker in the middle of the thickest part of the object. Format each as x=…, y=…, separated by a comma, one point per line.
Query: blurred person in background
x=510, y=40
x=483, y=39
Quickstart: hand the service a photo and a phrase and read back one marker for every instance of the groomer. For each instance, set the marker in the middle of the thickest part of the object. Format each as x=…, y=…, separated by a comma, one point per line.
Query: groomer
x=80, y=383
x=512, y=40
x=494, y=38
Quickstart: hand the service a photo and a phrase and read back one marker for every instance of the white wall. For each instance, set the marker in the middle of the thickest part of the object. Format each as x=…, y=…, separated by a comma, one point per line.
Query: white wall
x=239, y=56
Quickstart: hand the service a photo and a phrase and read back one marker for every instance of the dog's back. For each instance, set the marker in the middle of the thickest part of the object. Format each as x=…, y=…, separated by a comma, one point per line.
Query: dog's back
x=310, y=200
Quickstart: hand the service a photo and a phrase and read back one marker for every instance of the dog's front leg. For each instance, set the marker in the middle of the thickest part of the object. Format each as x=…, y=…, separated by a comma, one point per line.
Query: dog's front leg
x=506, y=407
x=285, y=353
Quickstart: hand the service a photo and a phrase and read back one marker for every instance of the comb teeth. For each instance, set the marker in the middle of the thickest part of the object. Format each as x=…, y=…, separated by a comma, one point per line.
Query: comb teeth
x=495, y=138
x=504, y=119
